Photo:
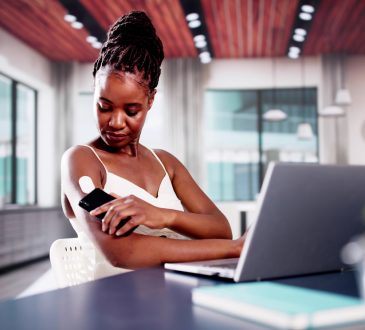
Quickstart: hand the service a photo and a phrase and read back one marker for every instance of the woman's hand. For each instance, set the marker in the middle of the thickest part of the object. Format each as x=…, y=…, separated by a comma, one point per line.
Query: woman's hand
x=139, y=211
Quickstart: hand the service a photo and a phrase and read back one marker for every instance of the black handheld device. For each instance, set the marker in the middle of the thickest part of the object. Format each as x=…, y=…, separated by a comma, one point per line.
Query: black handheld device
x=96, y=198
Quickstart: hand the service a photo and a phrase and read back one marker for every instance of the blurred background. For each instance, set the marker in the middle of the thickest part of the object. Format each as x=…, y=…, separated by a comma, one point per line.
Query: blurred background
x=244, y=82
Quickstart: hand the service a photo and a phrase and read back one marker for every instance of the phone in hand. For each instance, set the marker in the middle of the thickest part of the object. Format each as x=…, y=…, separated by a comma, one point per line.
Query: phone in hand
x=96, y=198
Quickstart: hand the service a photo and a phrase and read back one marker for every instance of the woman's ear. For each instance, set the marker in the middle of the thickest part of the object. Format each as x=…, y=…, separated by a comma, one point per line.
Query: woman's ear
x=151, y=98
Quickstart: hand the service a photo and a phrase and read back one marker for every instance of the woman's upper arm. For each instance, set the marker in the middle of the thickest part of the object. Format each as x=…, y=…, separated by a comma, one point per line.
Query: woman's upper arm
x=77, y=162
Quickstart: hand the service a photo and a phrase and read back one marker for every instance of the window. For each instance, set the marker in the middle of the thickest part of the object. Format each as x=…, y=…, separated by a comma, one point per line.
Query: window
x=17, y=142
x=239, y=143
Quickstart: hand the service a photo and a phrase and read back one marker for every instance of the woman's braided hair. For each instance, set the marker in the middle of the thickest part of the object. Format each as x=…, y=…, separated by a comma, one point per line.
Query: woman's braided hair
x=133, y=45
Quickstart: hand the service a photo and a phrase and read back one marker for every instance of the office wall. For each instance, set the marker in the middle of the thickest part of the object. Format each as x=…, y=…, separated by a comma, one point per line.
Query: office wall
x=258, y=73
x=20, y=62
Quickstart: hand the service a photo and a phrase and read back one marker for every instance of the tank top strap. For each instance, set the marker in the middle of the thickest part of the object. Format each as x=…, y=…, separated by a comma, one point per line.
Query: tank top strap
x=96, y=155
x=159, y=160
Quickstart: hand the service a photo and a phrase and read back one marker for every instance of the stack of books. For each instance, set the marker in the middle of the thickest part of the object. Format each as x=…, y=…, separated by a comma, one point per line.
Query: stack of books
x=281, y=306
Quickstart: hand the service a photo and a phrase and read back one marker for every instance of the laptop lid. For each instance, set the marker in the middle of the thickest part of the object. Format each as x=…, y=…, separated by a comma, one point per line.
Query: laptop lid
x=306, y=214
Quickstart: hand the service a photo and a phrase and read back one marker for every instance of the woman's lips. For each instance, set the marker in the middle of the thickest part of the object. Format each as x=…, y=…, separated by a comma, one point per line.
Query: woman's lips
x=114, y=137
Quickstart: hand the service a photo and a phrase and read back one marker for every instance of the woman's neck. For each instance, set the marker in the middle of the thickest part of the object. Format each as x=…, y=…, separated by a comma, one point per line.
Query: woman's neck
x=131, y=149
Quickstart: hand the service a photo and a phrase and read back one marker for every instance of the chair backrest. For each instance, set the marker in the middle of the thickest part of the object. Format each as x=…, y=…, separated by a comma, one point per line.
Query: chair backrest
x=71, y=262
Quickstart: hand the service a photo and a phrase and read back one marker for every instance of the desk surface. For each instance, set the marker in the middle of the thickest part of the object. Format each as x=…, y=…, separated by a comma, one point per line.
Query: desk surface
x=145, y=299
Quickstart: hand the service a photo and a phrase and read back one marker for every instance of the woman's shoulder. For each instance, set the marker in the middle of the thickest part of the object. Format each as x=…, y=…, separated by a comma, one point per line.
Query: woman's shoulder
x=77, y=152
x=170, y=162
x=81, y=155
x=165, y=156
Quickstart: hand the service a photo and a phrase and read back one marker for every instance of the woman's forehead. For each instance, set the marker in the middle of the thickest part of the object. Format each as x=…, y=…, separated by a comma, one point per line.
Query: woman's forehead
x=106, y=73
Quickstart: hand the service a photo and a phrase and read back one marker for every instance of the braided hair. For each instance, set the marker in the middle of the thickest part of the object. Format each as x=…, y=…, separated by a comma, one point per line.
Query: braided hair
x=133, y=45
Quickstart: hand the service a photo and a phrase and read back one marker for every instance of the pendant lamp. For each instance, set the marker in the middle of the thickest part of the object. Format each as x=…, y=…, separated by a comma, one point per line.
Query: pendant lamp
x=274, y=114
x=343, y=96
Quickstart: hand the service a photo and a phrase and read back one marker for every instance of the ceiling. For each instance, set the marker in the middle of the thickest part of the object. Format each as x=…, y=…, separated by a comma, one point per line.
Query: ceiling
x=236, y=28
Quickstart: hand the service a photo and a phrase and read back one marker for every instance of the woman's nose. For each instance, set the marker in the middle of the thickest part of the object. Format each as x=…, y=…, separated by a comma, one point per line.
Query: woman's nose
x=117, y=120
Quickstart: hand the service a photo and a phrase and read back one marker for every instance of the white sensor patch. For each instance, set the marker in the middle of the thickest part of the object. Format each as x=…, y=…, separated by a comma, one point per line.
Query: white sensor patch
x=86, y=184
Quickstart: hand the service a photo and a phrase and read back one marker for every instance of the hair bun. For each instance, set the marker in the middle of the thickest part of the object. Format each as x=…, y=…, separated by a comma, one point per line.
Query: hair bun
x=136, y=24
x=133, y=44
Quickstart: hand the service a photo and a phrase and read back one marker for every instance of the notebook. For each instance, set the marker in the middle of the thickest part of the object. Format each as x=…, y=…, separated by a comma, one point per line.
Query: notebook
x=281, y=306
x=306, y=213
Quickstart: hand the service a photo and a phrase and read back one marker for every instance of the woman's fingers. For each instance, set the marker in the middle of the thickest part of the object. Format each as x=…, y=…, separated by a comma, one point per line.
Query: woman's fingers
x=119, y=216
x=133, y=222
x=101, y=209
x=131, y=207
x=115, y=213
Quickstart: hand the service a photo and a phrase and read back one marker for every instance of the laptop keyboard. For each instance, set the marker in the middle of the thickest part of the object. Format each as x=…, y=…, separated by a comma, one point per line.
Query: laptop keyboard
x=232, y=265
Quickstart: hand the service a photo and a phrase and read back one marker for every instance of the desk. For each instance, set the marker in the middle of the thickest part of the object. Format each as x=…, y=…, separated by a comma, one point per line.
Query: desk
x=145, y=299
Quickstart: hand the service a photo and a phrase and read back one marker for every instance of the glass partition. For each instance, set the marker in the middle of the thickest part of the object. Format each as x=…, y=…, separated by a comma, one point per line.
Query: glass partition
x=25, y=145
x=239, y=143
x=17, y=142
x=5, y=140
x=231, y=145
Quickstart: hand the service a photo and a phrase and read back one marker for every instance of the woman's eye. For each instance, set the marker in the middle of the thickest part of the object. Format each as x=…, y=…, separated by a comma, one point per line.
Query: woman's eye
x=131, y=113
x=102, y=108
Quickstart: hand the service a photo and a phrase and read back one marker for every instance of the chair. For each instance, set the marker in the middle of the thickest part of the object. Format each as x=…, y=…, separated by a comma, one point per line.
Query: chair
x=71, y=262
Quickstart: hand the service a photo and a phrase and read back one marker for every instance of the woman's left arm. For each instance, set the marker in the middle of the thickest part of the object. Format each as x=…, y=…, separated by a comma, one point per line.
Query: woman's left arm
x=202, y=218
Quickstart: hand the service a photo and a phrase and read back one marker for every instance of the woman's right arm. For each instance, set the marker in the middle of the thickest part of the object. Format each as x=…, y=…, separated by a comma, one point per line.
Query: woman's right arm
x=135, y=250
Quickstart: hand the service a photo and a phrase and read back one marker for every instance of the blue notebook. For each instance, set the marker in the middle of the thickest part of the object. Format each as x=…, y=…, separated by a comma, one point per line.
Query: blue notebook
x=281, y=306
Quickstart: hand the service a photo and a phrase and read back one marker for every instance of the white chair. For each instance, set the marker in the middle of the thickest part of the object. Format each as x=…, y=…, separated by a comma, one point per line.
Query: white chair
x=71, y=262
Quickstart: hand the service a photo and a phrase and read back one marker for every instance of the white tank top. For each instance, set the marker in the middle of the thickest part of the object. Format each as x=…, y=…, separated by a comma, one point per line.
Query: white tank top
x=166, y=198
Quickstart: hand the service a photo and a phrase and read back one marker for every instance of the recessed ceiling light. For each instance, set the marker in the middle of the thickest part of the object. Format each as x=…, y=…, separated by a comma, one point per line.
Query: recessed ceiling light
x=97, y=44
x=298, y=37
x=192, y=17
x=194, y=24
x=305, y=16
x=77, y=25
x=91, y=39
x=69, y=18
x=206, y=60
x=204, y=54
x=293, y=55
x=308, y=9
x=199, y=37
x=200, y=44
x=300, y=31
x=294, y=49
x=205, y=57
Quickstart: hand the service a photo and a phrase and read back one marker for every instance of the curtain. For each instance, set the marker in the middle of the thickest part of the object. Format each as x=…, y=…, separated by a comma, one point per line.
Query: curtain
x=182, y=81
x=65, y=87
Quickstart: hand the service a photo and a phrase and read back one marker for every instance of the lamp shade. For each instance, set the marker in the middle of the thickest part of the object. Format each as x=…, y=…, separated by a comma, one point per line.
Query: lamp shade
x=343, y=97
x=304, y=131
x=275, y=115
x=331, y=111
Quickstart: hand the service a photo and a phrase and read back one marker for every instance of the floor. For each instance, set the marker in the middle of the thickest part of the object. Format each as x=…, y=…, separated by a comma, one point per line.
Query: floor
x=31, y=279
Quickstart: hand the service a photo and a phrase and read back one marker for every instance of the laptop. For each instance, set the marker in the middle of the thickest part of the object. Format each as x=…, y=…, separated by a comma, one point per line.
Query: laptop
x=306, y=213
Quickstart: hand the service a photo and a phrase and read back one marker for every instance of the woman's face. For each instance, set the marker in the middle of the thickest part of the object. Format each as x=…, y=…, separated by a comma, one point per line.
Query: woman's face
x=122, y=100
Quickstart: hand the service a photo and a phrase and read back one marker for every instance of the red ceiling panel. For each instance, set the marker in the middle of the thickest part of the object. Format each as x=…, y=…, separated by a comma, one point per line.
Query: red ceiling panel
x=236, y=28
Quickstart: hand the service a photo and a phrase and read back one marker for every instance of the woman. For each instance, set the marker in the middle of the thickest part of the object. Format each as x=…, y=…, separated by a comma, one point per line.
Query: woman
x=176, y=220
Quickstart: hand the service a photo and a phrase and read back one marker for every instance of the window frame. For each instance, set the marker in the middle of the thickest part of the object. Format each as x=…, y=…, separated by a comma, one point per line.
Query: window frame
x=13, y=127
